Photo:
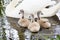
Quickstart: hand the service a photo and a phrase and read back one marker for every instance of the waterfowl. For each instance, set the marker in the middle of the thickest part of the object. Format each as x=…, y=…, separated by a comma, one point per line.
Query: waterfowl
x=30, y=6
x=44, y=22
x=23, y=21
x=34, y=26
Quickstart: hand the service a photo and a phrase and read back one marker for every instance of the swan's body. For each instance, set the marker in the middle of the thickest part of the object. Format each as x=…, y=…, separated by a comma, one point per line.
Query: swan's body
x=23, y=21
x=29, y=6
x=44, y=23
x=34, y=27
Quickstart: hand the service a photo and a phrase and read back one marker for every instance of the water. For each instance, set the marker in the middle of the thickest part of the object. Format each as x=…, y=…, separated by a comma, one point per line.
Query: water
x=10, y=32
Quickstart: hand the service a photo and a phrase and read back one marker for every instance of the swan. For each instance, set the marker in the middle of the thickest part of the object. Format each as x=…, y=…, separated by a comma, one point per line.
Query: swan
x=23, y=21
x=34, y=26
x=43, y=22
x=29, y=6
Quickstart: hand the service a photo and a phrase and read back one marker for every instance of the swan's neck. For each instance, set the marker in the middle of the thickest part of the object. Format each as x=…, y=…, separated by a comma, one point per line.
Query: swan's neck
x=38, y=15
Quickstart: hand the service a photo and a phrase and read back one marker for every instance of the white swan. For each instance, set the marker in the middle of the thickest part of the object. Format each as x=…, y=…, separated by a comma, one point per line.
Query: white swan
x=29, y=6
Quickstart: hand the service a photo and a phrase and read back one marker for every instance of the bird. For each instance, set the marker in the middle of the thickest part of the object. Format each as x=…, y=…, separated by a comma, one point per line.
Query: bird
x=44, y=22
x=29, y=6
x=23, y=21
x=33, y=26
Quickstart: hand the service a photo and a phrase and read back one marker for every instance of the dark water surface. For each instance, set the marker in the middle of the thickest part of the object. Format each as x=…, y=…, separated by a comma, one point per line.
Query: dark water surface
x=55, y=29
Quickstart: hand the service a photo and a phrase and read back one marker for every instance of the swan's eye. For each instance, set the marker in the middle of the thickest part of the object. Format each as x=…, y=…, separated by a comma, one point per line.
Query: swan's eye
x=47, y=6
x=19, y=13
x=41, y=13
x=36, y=19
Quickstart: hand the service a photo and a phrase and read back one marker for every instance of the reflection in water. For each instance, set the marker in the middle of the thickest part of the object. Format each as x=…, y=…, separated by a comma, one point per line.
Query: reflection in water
x=10, y=32
x=27, y=35
x=57, y=29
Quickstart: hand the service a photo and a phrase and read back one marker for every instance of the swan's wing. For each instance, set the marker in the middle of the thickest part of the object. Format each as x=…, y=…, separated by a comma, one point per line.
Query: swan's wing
x=29, y=6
